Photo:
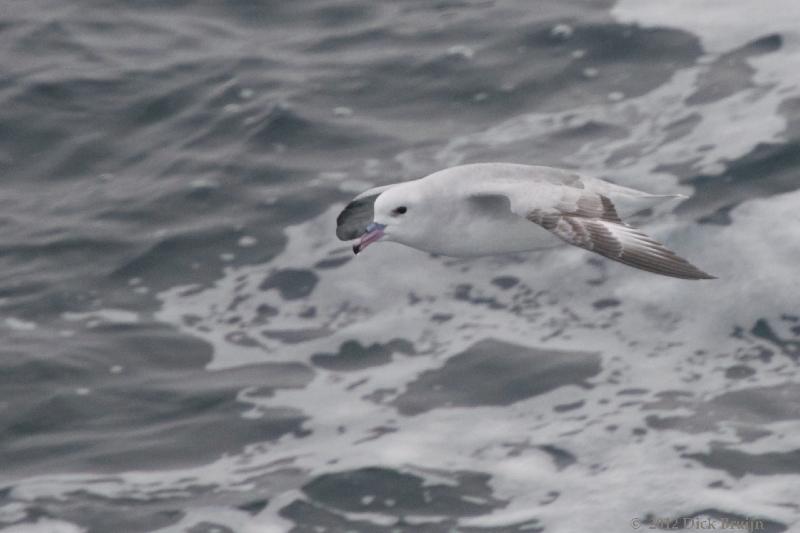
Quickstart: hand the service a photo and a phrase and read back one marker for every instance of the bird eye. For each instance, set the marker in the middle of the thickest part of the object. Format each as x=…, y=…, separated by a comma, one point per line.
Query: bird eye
x=399, y=210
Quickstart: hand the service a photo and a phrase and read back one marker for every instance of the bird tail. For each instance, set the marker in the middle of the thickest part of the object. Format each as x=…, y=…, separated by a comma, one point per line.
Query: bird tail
x=612, y=189
x=629, y=201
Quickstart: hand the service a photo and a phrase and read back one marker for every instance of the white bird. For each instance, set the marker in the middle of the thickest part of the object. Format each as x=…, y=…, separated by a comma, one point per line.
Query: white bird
x=495, y=208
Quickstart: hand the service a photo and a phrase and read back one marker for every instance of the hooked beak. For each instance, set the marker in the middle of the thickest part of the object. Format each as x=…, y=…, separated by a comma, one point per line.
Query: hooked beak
x=374, y=232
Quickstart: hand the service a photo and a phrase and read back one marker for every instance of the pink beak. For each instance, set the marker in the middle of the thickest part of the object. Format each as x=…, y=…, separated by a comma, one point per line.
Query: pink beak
x=374, y=232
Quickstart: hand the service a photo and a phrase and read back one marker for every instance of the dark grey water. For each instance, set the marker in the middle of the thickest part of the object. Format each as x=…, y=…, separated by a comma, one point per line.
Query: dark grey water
x=187, y=347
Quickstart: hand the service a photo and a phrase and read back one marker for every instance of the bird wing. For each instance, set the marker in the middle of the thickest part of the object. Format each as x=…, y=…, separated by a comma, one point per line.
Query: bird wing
x=352, y=222
x=585, y=218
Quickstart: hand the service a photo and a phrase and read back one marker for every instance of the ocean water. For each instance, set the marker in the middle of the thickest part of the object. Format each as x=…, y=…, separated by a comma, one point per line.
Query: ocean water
x=188, y=348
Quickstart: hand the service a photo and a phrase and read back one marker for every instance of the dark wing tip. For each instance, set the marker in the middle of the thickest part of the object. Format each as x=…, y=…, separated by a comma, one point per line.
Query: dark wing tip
x=622, y=243
x=640, y=251
x=662, y=261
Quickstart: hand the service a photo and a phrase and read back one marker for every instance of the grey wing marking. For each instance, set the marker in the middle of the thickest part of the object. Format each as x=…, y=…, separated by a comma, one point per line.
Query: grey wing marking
x=595, y=226
x=352, y=222
x=586, y=206
x=560, y=177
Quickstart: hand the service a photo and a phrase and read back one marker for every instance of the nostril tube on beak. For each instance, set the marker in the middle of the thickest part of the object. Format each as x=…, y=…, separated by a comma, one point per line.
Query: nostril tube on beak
x=373, y=232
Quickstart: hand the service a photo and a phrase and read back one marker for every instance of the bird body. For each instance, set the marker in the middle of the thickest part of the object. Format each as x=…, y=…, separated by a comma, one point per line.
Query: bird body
x=493, y=208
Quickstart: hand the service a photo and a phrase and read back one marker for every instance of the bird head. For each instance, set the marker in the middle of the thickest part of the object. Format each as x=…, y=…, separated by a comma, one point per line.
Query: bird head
x=399, y=215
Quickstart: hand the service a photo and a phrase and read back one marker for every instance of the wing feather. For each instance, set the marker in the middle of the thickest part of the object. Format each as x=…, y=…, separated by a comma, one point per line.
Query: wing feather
x=625, y=244
x=587, y=218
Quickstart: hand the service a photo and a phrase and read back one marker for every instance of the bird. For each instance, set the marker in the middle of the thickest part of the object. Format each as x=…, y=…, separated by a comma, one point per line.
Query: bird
x=484, y=209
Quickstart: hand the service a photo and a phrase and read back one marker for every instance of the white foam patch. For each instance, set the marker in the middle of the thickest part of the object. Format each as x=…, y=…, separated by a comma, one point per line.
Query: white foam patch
x=19, y=324
x=647, y=144
x=219, y=518
x=717, y=131
x=721, y=24
x=660, y=336
x=649, y=341
x=44, y=525
x=103, y=316
x=666, y=321
x=12, y=512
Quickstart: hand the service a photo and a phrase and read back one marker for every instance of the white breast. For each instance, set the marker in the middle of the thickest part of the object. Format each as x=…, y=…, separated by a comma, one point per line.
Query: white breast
x=471, y=234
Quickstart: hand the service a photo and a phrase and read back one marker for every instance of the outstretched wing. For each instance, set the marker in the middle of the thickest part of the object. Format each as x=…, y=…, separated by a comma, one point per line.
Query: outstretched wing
x=353, y=220
x=620, y=242
x=587, y=219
